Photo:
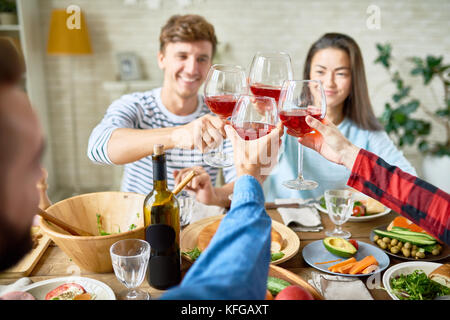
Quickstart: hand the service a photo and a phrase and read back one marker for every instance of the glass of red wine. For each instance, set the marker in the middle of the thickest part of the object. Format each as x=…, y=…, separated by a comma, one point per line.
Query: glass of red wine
x=254, y=116
x=298, y=99
x=223, y=86
x=267, y=73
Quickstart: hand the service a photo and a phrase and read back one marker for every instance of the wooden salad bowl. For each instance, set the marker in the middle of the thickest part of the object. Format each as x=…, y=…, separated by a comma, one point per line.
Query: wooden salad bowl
x=292, y=278
x=121, y=215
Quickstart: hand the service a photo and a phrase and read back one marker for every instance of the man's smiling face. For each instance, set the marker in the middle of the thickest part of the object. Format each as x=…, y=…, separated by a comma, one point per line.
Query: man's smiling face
x=185, y=66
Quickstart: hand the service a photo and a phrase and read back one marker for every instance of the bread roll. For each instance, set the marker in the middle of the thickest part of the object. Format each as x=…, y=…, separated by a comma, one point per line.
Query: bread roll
x=441, y=275
x=276, y=241
x=373, y=206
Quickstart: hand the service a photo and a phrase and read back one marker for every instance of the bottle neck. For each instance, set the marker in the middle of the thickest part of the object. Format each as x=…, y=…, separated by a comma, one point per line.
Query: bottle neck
x=159, y=172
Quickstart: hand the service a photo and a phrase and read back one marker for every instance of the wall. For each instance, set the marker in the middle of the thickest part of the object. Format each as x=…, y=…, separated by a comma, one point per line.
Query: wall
x=412, y=27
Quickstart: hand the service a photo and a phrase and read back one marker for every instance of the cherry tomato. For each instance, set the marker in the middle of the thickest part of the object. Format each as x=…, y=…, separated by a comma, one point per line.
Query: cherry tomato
x=358, y=211
x=354, y=243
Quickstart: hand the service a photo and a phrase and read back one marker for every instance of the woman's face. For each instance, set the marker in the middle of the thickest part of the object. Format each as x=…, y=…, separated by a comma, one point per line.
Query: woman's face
x=332, y=67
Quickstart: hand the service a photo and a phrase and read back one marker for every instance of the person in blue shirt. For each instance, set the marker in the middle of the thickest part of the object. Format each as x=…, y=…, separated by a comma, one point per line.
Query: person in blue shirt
x=235, y=265
x=336, y=60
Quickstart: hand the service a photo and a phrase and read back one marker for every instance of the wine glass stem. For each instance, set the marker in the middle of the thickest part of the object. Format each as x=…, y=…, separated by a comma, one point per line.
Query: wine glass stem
x=132, y=293
x=300, y=162
x=220, y=150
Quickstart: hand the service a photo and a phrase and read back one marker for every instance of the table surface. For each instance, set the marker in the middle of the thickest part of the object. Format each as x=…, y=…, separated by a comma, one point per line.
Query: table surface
x=55, y=263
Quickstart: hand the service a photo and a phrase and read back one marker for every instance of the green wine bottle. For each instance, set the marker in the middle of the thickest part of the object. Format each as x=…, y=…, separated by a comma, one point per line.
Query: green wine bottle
x=162, y=228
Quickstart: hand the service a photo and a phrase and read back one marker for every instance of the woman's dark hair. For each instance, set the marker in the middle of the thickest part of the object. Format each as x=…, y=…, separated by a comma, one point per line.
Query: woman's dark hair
x=357, y=106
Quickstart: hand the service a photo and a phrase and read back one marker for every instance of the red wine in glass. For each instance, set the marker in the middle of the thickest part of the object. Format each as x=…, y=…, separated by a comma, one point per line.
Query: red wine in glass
x=266, y=91
x=253, y=130
x=223, y=105
x=295, y=120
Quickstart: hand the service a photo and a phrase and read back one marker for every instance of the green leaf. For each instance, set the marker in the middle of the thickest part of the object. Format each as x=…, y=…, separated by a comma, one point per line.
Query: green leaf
x=276, y=256
x=399, y=117
x=409, y=138
x=423, y=146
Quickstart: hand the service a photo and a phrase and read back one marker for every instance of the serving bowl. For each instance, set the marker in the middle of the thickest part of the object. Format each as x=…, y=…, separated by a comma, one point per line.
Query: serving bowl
x=406, y=268
x=120, y=214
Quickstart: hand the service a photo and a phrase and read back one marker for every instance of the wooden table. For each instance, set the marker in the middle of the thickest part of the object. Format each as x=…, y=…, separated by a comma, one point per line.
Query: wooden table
x=55, y=263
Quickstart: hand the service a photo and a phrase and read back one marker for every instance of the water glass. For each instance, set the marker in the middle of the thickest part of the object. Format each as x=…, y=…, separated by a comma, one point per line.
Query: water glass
x=186, y=202
x=130, y=260
x=339, y=207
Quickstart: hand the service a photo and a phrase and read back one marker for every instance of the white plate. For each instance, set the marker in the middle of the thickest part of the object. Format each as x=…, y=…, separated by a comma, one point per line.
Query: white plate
x=357, y=196
x=40, y=289
x=406, y=268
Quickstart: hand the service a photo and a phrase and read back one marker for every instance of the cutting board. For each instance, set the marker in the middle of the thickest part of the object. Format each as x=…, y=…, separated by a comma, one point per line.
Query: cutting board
x=24, y=267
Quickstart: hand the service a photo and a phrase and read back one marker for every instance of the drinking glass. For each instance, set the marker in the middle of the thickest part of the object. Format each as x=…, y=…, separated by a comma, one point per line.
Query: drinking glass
x=299, y=98
x=130, y=259
x=267, y=73
x=254, y=116
x=339, y=207
x=223, y=86
x=186, y=202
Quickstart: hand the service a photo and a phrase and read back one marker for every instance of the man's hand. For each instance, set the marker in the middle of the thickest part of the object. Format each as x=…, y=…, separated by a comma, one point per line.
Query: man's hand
x=330, y=143
x=201, y=184
x=255, y=157
x=205, y=133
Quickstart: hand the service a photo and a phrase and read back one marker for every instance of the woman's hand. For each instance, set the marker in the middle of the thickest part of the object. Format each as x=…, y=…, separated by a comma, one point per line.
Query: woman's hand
x=330, y=143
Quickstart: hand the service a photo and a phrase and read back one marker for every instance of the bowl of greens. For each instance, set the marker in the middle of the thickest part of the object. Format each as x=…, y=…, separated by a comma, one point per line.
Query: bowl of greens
x=410, y=281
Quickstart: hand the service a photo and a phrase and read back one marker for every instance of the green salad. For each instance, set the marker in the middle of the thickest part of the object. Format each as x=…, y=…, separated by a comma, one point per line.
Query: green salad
x=417, y=286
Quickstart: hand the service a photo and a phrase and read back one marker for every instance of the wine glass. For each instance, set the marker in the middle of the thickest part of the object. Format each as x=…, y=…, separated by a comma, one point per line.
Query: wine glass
x=186, y=202
x=224, y=84
x=267, y=73
x=339, y=207
x=298, y=99
x=254, y=116
x=130, y=259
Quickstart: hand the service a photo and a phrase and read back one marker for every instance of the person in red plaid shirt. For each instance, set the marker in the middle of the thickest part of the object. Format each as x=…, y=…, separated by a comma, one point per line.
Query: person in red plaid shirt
x=417, y=200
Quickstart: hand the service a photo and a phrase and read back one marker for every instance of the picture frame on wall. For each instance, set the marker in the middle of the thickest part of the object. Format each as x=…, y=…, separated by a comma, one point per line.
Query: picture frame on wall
x=128, y=65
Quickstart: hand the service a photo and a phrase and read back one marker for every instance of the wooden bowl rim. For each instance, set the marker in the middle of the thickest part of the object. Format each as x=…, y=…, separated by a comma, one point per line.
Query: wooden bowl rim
x=59, y=235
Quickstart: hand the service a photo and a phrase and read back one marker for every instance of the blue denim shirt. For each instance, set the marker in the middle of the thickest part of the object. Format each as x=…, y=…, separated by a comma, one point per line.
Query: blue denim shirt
x=236, y=263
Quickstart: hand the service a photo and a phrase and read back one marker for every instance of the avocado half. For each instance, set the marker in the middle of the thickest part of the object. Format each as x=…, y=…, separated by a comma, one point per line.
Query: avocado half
x=339, y=247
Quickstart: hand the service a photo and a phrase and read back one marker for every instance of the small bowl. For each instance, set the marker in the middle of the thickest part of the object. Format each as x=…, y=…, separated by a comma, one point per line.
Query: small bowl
x=118, y=211
x=406, y=268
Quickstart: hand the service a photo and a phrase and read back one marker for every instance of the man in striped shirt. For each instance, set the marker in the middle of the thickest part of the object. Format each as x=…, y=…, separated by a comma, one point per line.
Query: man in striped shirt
x=174, y=115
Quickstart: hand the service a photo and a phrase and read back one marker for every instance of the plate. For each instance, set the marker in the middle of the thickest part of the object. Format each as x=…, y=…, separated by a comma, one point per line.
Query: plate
x=406, y=268
x=429, y=257
x=100, y=289
x=188, y=238
x=357, y=196
x=316, y=252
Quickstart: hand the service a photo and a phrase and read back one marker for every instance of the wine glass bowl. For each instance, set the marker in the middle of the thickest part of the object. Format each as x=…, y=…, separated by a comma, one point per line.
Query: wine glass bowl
x=339, y=206
x=223, y=86
x=254, y=116
x=267, y=73
x=130, y=260
x=298, y=99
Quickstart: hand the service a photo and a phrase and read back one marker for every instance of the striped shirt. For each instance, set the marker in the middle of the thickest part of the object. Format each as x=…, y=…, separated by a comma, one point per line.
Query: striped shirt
x=417, y=200
x=145, y=110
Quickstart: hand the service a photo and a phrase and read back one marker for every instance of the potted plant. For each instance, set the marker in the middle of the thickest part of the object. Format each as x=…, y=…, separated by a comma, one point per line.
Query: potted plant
x=8, y=14
x=399, y=121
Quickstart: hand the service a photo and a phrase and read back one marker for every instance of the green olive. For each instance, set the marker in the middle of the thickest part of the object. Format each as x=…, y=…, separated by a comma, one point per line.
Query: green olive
x=406, y=252
x=395, y=250
x=435, y=252
x=400, y=244
x=414, y=247
x=389, y=246
x=408, y=245
x=386, y=240
x=379, y=242
x=420, y=255
x=413, y=253
x=394, y=242
x=383, y=245
x=376, y=237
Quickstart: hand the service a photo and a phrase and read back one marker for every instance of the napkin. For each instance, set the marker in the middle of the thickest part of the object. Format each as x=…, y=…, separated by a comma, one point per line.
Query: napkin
x=19, y=285
x=201, y=211
x=306, y=219
x=339, y=288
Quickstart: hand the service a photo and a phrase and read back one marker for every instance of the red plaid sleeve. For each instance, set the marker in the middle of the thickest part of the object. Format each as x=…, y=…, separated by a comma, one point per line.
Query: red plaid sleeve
x=417, y=200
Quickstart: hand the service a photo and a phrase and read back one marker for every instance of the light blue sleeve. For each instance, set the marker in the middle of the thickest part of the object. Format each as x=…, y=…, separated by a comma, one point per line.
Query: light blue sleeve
x=235, y=265
x=380, y=144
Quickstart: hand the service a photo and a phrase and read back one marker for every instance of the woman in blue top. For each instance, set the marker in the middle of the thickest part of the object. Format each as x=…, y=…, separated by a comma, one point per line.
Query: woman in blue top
x=336, y=60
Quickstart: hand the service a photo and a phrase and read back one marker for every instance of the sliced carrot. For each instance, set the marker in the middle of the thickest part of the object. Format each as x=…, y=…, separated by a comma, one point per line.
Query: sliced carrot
x=328, y=261
x=341, y=264
x=345, y=269
x=370, y=269
x=362, y=264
